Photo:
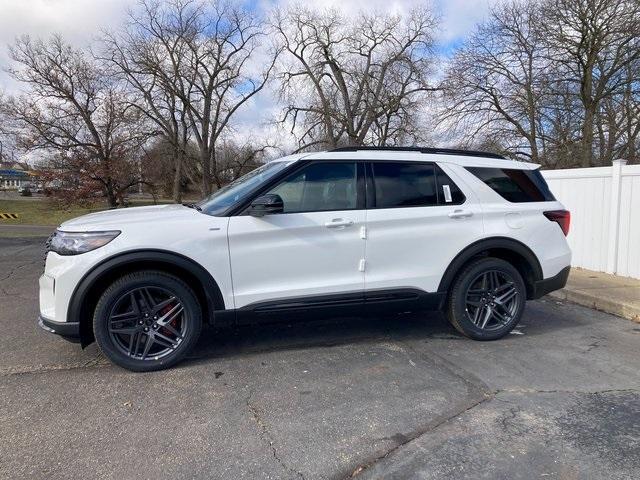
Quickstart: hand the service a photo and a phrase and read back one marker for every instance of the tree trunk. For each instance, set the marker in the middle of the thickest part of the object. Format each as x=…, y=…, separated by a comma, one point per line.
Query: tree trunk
x=206, y=174
x=533, y=143
x=177, y=176
x=112, y=199
x=587, y=138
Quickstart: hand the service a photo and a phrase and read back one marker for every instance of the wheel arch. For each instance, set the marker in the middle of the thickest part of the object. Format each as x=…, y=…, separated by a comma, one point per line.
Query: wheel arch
x=513, y=251
x=86, y=294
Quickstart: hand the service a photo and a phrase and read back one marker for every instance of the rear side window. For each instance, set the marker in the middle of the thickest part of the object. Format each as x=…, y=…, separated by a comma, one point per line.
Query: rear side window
x=515, y=185
x=407, y=184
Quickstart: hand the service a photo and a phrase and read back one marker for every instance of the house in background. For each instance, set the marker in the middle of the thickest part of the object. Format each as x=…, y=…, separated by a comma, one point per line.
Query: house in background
x=13, y=175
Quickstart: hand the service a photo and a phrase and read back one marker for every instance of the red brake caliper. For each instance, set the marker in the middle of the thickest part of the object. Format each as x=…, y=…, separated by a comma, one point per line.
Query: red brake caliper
x=173, y=323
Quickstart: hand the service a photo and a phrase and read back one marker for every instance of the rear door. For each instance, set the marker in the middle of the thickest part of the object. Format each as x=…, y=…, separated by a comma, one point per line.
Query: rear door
x=312, y=253
x=418, y=219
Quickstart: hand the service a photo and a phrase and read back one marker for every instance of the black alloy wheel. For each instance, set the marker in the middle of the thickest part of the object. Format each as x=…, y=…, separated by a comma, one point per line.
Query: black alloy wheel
x=147, y=320
x=492, y=300
x=487, y=299
x=147, y=323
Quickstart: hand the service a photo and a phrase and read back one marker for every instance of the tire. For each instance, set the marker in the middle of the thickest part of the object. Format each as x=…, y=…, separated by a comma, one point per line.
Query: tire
x=147, y=320
x=487, y=284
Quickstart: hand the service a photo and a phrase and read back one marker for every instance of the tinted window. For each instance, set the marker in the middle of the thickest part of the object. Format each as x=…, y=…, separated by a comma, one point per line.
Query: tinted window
x=448, y=192
x=404, y=184
x=515, y=185
x=319, y=187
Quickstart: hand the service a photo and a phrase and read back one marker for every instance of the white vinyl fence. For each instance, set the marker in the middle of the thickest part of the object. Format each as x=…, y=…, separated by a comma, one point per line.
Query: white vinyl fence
x=605, y=215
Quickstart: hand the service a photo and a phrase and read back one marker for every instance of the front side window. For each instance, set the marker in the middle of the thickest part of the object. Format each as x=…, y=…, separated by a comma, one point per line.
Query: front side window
x=239, y=189
x=319, y=187
x=404, y=184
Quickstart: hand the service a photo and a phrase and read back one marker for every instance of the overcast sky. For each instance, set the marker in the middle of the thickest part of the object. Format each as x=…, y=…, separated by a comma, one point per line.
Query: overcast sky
x=80, y=20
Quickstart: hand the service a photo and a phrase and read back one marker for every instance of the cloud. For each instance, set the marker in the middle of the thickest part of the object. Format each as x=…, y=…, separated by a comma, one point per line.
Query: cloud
x=77, y=20
x=459, y=17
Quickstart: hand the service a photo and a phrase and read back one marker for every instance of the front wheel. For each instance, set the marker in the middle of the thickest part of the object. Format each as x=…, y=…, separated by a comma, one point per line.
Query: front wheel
x=487, y=299
x=147, y=320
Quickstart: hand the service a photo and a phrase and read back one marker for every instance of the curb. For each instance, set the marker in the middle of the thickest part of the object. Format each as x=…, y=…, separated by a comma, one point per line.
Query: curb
x=630, y=311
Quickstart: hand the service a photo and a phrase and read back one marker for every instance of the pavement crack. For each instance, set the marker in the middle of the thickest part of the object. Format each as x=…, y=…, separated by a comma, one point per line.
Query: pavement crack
x=266, y=436
x=416, y=435
x=10, y=274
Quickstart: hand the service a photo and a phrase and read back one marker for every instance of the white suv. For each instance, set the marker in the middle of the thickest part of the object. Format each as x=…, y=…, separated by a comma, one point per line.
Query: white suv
x=351, y=231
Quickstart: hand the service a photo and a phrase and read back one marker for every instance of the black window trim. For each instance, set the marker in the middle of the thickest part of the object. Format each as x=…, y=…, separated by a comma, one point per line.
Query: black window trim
x=365, y=186
x=371, y=185
x=241, y=208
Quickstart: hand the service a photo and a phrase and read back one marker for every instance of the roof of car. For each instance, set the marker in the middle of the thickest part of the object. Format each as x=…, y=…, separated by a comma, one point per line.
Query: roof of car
x=464, y=158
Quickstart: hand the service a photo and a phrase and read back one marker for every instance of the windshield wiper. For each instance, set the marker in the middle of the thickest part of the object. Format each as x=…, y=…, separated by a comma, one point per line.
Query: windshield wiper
x=193, y=205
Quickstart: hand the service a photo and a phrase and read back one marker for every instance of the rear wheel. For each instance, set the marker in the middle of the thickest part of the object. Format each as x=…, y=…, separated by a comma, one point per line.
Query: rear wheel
x=487, y=299
x=147, y=320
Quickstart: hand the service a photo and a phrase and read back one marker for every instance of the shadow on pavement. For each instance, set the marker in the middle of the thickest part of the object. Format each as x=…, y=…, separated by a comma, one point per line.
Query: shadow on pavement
x=298, y=333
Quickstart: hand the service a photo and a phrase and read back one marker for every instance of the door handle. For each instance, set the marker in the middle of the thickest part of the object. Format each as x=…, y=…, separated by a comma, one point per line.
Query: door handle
x=459, y=213
x=338, y=223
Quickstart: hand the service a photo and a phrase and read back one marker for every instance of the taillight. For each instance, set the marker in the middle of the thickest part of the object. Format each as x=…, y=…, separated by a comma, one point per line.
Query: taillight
x=561, y=217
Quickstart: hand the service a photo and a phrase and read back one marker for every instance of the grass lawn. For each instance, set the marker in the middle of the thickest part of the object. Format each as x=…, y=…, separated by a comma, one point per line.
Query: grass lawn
x=43, y=212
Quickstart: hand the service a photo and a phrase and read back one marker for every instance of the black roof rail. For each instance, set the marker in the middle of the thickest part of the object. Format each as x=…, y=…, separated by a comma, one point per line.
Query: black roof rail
x=432, y=150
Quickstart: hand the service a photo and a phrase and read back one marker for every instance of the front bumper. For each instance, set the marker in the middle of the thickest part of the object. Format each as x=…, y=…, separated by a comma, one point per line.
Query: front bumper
x=68, y=330
x=542, y=287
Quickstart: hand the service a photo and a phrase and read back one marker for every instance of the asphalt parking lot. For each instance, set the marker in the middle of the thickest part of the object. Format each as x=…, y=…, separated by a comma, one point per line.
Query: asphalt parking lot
x=402, y=397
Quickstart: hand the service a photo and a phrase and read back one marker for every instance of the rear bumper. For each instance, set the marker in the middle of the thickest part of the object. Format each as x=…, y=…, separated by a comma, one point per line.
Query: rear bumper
x=68, y=330
x=542, y=287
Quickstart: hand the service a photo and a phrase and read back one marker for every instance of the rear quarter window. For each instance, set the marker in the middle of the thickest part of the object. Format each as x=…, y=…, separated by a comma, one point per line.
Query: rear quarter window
x=448, y=192
x=515, y=185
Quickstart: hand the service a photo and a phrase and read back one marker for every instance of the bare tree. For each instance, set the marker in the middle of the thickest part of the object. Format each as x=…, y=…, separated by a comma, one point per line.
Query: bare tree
x=617, y=121
x=74, y=109
x=497, y=82
x=207, y=55
x=148, y=54
x=158, y=166
x=353, y=81
x=7, y=143
x=592, y=42
x=235, y=159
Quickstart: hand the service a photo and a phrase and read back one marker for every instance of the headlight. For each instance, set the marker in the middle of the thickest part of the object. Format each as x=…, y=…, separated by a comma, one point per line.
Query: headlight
x=73, y=243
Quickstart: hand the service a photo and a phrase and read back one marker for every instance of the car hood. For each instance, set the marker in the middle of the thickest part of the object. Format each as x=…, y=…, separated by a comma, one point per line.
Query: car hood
x=117, y=218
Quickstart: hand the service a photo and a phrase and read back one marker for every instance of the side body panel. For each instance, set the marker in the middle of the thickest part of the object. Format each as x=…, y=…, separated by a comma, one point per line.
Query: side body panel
x=295, y=254
x=412, y=247
x=199, y=237
x=524, y=222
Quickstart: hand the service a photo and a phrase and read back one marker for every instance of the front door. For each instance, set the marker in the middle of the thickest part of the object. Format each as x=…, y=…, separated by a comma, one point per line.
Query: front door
x=313, y=250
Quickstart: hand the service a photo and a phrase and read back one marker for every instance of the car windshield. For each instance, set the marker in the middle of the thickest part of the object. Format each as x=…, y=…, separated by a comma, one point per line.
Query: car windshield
x=230, y=194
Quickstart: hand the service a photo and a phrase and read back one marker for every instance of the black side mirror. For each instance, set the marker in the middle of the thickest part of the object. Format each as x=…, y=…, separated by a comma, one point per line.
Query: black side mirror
x=266, y=205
